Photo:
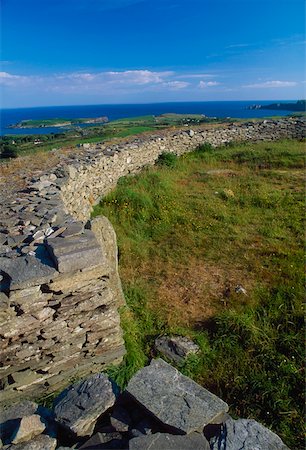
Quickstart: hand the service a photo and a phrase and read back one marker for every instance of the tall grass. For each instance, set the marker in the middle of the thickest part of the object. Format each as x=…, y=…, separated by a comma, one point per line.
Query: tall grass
x=188, y=234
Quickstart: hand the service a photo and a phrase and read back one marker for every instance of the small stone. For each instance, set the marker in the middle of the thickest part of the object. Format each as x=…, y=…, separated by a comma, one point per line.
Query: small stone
x=30, y=426
x=176, y=348
x=240, y=290
x=120, y=419
x=52, y=177
x=174, y=399
x=49, y=231
x=41, y=185
x=164, y=441
x=56, y=233
x=144, y=427
x=39, y=235
x=36, y=221
x=79, y=407
x=73, y=229
x=72, y=172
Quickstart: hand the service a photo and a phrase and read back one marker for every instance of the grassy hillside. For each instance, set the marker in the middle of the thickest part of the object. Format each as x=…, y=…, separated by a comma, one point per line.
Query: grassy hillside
x=190, y=231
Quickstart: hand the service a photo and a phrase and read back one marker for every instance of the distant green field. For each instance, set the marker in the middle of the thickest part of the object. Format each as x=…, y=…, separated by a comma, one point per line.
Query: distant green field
x=12, y=146
x=16, y=145
x=43, y=122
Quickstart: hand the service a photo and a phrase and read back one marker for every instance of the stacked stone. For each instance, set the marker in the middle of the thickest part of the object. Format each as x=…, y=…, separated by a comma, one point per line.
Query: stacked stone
x=59, y=310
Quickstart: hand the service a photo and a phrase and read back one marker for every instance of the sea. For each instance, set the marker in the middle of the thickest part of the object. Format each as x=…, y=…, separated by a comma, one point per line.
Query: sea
x=220, y=109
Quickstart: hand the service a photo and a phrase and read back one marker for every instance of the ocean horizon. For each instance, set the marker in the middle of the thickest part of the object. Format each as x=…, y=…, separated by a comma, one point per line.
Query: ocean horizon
x=220, y=109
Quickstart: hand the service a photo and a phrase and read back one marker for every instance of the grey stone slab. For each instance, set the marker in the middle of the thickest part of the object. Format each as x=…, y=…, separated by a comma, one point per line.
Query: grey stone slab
x=174, y=399
x=246, y=434
x=79, y=407
x=26, y=271
x=164, y=441
x=75, y=252
x=176, y=348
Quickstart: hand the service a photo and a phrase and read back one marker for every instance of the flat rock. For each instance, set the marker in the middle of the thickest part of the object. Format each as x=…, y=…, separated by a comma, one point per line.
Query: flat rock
x=246, y=434
x=79, y=407
x=164, y=441
x=42, y=442
x=29, y=427
x=75, y=252
x=174, y=399
x=40, y=185
x=176, y=348
x=25, y=271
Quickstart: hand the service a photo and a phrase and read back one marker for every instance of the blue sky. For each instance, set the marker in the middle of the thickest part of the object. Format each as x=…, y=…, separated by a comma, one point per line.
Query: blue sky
x=65, y=52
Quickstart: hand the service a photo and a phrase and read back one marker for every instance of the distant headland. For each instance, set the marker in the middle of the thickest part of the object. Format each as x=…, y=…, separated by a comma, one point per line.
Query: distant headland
x=42, y=123
x=299, y=106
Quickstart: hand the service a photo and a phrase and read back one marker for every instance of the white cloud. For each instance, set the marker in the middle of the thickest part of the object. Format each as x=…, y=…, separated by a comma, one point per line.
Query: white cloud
x=176, y=84
x=197, y=75
x=9, y=76
x=272, y=84
x=238, y=46
x=8, y=79
x=136, y=76
x=205, y=84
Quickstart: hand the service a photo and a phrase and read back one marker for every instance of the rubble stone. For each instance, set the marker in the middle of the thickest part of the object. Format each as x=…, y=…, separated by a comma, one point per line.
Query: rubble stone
x=174, y=399
x=79, y=408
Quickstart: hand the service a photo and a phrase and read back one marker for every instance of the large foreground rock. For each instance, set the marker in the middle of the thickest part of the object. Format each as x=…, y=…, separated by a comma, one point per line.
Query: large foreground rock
x=164, y=441
x=174, y=399
x=246, y=434
x=80, y=406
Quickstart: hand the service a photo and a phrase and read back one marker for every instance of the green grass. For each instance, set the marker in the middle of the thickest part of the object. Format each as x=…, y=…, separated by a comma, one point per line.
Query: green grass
x=188, y=234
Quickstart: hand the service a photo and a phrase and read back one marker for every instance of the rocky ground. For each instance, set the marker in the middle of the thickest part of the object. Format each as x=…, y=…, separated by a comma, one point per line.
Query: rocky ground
x=160, y=410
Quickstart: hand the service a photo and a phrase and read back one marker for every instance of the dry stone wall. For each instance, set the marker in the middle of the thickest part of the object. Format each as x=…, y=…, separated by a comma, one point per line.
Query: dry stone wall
x=59, y=285
x=96, y=173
